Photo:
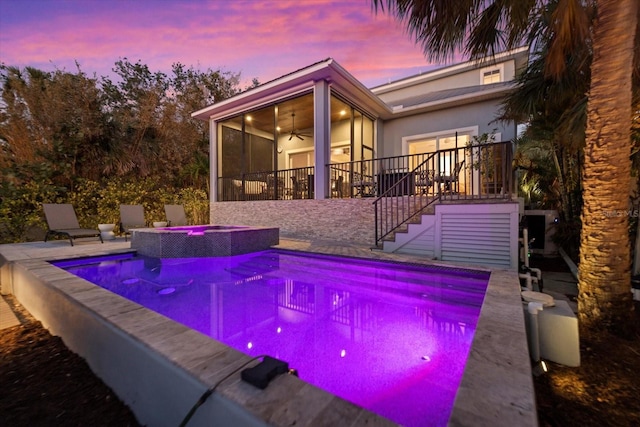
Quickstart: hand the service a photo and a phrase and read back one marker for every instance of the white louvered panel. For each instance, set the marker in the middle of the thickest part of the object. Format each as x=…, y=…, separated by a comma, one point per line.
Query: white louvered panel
x=479, y=233
x=476, y=238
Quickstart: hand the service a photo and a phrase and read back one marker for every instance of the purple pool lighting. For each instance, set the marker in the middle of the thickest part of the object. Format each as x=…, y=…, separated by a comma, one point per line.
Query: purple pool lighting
x=392, y=338
x=198, y=230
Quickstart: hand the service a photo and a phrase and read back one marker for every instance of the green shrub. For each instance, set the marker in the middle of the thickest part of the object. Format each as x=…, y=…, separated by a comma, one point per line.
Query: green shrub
x=21, y=209
x=94, y=202
x=85, y=200
x=196, y=205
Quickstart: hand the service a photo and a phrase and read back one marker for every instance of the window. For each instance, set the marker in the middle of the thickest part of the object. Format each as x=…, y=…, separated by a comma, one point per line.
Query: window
x=353, y=128
x=301, y=159
x=491, y=75
x=260, y=140
x=448, y=144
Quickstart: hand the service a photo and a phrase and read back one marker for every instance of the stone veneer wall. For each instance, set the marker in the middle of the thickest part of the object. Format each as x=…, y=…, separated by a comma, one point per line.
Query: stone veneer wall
x=349, y=220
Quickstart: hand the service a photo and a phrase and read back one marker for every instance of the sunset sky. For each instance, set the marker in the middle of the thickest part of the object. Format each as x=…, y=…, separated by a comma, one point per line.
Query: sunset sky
x=264, y=39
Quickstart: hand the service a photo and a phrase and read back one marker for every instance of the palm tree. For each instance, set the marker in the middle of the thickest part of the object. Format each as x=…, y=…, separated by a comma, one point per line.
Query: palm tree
x=605, y=250
x=480, y=28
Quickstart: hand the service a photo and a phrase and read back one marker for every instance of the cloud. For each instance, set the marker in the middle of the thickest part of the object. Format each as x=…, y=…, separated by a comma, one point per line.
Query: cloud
x=263, y=39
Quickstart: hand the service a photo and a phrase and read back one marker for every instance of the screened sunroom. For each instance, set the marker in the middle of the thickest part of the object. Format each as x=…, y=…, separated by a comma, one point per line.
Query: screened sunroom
x=271, y=152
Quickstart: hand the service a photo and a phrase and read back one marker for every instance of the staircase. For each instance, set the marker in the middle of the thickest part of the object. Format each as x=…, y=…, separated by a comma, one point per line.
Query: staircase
x=470, y=174
x=403, y=203
x=416, y=237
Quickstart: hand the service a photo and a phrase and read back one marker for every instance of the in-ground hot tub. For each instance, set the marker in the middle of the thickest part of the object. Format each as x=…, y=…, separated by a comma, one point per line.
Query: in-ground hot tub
x=202, y=240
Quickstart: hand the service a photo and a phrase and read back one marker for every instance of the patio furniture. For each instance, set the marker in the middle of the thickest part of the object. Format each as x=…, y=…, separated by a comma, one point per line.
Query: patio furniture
x=271, y=187
x=106, y=231
x=449, y=180
x=175, y=215
x=425, y=180
x=396, y=183
x=62, y=221
x=299, y=188
x=364, y=185
x=336, y=186
x=249, y=189
x=131, y=217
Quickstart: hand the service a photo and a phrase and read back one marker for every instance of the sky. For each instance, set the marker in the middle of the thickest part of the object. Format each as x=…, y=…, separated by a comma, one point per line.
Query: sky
x=261, y=39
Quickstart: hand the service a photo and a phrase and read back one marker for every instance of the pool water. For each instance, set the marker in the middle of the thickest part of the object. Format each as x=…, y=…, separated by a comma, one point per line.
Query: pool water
x=392, y=338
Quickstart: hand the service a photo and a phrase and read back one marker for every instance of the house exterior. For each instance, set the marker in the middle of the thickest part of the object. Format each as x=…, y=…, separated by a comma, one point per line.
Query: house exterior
x=320, y=155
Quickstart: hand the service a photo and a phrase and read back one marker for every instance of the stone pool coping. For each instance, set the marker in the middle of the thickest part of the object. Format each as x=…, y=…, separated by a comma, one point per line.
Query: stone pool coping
x=496, y=389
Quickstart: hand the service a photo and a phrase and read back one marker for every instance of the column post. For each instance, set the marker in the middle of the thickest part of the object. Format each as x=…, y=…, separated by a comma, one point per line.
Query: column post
x=322, y=141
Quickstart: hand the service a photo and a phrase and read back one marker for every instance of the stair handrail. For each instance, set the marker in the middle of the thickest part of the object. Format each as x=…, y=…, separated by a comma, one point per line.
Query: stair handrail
x=400, y=212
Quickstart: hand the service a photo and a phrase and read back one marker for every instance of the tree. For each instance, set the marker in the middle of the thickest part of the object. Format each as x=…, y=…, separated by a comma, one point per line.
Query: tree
x=61, y=130
x=50, y=119
x=554, y=110
x=480, y=28
x=136, y=104
x=151, y=113
x=605, y=254
x=193, y=89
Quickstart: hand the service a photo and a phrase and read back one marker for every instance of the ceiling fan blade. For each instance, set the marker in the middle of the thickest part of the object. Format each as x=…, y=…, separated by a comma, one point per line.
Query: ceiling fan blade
x=291, y=136
x=299, y=137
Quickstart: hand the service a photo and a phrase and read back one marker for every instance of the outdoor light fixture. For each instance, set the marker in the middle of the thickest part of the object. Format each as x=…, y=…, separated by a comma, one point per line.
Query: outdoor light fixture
x=540, y=368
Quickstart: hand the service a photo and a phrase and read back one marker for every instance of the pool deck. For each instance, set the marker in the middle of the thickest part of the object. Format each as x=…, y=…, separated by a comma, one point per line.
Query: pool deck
x=496, y=389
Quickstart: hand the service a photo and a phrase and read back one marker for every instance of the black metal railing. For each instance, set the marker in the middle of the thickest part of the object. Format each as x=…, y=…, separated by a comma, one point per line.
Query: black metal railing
x=274, y=185
x=481, y=171
x=403, y=186
x=370, y=178
x=406, y=198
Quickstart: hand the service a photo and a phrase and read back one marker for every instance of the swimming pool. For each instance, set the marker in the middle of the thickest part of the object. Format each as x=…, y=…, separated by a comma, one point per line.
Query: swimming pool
x=392, y=338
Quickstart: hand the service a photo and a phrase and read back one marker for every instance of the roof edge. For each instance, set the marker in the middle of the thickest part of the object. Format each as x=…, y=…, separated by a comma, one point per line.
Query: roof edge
x=418, y=78
x=400, y=111
x=203, y=113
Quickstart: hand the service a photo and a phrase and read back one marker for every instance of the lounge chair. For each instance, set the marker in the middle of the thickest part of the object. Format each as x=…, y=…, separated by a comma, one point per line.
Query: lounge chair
x=175, y=215
x=62, y=221
x=131, y=216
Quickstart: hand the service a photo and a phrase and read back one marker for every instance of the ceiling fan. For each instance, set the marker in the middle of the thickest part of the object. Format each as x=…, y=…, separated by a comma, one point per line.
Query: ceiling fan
x=294, y=132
